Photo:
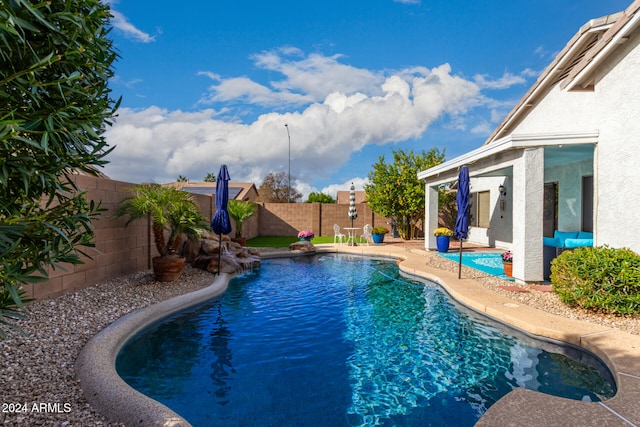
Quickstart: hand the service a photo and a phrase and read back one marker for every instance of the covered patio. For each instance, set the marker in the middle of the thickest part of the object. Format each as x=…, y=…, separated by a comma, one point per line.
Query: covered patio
x=523, y=187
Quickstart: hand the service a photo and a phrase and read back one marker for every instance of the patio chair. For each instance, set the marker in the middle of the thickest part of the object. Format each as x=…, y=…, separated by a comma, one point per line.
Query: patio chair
x=366, y=233
x=337, y=235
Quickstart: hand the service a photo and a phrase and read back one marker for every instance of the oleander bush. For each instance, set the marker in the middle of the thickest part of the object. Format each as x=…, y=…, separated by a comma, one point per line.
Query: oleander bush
x=601, y=279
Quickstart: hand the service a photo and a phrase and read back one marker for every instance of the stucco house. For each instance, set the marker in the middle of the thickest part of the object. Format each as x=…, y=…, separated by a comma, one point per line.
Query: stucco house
x=567, y=157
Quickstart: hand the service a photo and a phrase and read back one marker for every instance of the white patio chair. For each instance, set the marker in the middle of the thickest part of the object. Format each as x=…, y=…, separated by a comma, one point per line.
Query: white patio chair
x=337, y=235
x=366, y=233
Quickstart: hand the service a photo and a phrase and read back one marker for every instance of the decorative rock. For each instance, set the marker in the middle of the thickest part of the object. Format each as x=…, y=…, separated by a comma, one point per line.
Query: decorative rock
x=302, y=246
x=234, y=258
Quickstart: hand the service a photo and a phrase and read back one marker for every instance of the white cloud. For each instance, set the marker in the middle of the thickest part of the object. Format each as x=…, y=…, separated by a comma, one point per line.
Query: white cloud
x=121, y=23
x=306, y=79
x=364, y=108
x=506, y=81
x=248, y=91
x=358, y=184
x=482, y=128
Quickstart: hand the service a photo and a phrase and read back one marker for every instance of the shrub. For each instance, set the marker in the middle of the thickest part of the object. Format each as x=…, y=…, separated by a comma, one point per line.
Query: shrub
x=379, y=230
x=600, y=279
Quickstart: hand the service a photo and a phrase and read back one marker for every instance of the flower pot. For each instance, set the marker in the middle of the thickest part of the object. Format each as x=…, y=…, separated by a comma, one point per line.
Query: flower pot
x=242, y=241
x=167, y=268
x=377, y=238
x=508, y=269
x=306, y=239
x=442, y=242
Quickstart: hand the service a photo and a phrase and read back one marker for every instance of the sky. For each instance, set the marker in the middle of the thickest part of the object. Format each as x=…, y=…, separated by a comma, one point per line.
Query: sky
x=214, y=82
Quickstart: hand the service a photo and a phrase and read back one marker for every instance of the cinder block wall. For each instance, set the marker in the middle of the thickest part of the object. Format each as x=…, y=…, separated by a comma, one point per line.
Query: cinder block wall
x=287, y=219
x=119, y=250
x=122, y=250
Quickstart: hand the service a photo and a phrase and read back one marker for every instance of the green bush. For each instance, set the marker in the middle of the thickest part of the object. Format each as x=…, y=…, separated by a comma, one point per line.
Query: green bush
x=601, y=279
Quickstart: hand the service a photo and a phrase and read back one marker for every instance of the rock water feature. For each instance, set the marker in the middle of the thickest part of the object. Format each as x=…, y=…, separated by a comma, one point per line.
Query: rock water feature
x=204, y=254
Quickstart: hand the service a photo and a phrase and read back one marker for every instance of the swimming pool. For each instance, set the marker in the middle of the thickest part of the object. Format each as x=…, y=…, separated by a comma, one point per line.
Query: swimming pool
x=487, y=262
x=341, y=341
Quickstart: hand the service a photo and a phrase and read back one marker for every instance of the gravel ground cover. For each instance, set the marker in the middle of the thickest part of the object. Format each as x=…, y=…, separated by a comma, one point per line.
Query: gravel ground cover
x=37, y=375
x=37, y=380
x=546, y=301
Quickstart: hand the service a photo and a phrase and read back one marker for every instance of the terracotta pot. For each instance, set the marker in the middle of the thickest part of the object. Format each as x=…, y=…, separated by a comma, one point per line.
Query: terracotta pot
x=242, y=241
x=508, y=269
x=167, y=269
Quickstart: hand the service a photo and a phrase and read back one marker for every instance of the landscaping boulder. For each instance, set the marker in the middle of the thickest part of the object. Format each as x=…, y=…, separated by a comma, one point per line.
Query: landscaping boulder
x=302, y=246
x=234, y=258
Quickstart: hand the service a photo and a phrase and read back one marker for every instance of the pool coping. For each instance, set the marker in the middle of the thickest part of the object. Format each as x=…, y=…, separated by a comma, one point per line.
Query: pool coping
x=620, y=351
x=95, y=366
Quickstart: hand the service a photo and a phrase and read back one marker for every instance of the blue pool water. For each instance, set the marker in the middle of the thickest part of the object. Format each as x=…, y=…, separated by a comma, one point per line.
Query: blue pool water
x=487, y=262
x=343, y=341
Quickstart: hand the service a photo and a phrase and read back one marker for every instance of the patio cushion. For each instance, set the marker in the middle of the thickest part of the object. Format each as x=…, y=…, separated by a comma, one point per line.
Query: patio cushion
x=585, y=235
x=551, y=241
x=569, y=239
x=564, y=235
x=577, y=243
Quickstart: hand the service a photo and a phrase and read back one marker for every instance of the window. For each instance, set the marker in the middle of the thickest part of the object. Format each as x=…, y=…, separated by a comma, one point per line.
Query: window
x=480, y=209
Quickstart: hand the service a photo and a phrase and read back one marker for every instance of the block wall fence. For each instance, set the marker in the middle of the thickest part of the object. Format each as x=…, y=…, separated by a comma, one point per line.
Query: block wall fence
x=121, y=250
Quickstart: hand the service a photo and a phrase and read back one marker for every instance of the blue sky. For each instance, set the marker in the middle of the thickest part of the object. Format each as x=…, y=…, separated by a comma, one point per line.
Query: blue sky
x=214, y=82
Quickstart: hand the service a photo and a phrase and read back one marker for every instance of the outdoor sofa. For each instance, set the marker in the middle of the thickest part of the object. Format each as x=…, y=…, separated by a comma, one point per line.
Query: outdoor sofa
x=563, y=240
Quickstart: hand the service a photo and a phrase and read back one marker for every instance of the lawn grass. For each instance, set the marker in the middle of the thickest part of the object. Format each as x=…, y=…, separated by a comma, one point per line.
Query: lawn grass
x=283, y=241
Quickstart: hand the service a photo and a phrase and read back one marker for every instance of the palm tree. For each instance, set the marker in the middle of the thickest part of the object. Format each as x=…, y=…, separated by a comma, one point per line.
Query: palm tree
x=210, y=177
x=240, y=212
x=170, y=209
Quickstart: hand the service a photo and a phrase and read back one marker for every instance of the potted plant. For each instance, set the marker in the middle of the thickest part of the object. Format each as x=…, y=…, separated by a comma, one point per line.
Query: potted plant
x=443, y=238
x=173, y=212
x=306, y=235
x=240, y=211
x=507, y=263
x=377, y=234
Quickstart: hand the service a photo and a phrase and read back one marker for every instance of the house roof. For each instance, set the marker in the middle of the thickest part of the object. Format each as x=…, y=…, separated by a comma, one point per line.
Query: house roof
x=574, y=66
x=342, y=197
x=237, y=190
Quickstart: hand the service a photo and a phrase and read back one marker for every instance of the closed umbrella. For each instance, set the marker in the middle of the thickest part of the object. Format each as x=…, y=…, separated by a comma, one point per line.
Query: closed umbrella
x=353, y=213
x=461, y=231
x=221, y=224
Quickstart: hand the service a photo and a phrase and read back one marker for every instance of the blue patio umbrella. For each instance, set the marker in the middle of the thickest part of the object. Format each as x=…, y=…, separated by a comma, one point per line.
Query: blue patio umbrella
x=221, y=224
x=461, y=231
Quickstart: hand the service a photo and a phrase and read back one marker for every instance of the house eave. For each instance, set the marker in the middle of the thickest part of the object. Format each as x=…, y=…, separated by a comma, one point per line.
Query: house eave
x=583, y=73
x=510, y=142
x=550, y=74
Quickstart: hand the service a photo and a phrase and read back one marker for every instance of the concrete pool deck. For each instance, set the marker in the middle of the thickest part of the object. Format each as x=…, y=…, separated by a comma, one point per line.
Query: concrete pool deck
x=111, y=396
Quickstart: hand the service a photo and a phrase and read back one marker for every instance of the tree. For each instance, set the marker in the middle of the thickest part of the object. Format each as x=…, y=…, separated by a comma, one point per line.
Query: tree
x=395, y=191
x=182, y=178
x=54, y=106
x=241, y=211
x=210, y=177
x=320, y=198
x=173, y=213
x=275, y=189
